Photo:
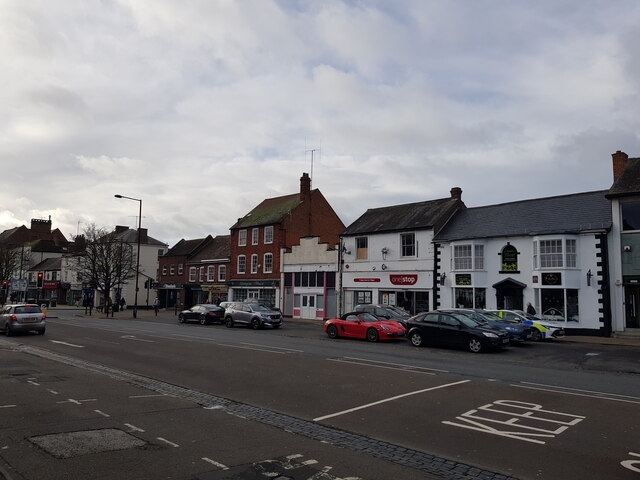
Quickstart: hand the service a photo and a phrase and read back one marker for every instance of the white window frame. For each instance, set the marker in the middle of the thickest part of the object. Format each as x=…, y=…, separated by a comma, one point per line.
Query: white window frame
x=467, y=256
x=555, y=253
x=268, y=234
x=180, y=268
x=362, y=253
x=172, y=269
x=255, y=236
x=412, y=245
x=242, y=237
x=192, y=274
x=267, y=266
x=211, y=273
x=222, y=273
x=254, y=263
x=242, y=265
x=164, y=270
x=201, y=275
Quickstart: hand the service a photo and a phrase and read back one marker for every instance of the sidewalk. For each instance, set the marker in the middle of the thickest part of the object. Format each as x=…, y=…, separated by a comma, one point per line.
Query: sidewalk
x=145, y=313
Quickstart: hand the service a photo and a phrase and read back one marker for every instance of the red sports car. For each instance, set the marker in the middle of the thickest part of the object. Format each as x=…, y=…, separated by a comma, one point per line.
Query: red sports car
x=364, y=325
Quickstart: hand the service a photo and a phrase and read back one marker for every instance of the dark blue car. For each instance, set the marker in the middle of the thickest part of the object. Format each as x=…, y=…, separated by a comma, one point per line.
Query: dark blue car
x=517, y=332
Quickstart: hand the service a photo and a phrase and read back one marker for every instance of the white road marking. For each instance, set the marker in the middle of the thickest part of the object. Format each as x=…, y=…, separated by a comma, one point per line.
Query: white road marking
x=149, y=396
x=102, y=413
x=175, y=445
x=217, y=464
x=52, y=391
x=101, y=341
x=389, y=400
x=366, y=364
x=249, y=348
x=133, y=337
x=580, y=393
x=33, y=383
x=398, y=364
x=7, y=406
x=269, y=346
x=67, y=344
x=133, y=428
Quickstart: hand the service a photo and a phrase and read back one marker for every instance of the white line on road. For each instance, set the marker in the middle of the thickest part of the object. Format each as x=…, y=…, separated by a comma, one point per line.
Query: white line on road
x=52, y=391
x=33, y=383
x=7, y=406
x=366, y=364
x=388, y=400
x=168, y=442
x=269, y=346
x=100, y=412
x=217, y=464
x=67, y=344
x=133, y=337
x=133, y=428
x=574, y=391
x=150, y=395
x=398, y=364
x=249, y=348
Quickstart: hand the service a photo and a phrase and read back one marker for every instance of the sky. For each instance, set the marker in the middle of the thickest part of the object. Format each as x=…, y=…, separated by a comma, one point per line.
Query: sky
x=203, y=108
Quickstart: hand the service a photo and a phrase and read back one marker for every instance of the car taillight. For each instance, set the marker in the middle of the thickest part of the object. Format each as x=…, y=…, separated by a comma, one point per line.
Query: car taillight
x=13, y=318
x=44, y=315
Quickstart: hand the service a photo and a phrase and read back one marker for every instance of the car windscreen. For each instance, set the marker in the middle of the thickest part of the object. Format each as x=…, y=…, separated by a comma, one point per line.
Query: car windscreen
x=368, y=317
x=256, y=307
x=28, y=309
x=467, y=320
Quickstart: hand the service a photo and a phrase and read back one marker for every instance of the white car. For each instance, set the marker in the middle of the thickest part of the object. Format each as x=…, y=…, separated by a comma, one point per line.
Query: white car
x=22, y=318
x=542, y=329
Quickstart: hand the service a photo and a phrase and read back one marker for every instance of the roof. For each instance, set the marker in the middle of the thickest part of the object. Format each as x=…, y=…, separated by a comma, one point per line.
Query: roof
x=410, y=216
x=130, y=235
x=628, y=183
x=187, y=247
x=48, y=264
x=218, y=249
x=270, y=211
x=541, y=216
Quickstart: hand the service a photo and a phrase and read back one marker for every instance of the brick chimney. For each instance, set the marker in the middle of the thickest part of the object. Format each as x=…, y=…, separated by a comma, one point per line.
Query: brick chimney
x=305, y=186
x=456, y=193
x=619, y=162
x=41, y=226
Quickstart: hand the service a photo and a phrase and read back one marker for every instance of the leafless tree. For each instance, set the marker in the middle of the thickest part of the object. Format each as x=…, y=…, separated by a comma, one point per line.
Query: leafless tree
x=9, y=264
x=106, y=263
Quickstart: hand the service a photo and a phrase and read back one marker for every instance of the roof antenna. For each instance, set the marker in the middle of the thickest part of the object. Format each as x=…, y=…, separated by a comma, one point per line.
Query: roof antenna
x=311, y=174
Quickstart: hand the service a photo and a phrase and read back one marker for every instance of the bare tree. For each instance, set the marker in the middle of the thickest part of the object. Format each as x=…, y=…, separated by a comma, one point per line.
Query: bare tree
x=9, y=264
x=106, y=262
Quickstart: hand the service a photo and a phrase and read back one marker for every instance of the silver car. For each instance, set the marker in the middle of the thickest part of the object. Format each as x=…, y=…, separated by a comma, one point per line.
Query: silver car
x=254, y=315
x=22, y=318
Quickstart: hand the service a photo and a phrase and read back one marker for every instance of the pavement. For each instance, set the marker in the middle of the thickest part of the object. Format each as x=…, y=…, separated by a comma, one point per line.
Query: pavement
x=624, y=339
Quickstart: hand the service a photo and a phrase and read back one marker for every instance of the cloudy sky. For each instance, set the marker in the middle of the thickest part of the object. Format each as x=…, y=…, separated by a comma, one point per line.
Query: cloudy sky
x=203, y=108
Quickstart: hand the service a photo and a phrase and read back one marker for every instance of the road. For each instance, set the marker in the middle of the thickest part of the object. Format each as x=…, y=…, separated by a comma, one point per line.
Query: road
x=211, y=402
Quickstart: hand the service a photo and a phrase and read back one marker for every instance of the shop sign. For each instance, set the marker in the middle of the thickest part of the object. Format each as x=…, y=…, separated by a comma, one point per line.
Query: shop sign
x=463, y=279
x=554, y=278
x=410, y=279
x=50, y=285
x=366, y=280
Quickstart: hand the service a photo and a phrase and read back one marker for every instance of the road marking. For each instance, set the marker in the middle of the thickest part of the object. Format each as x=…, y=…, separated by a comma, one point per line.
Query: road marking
x=33, y=383
x=632, y=464
x=133, y=337
x=269, y=346
x=249, y=348
x=398, y=364
x=149, y=396
x=366, y=364
x=580, y=393
x=217, y=464
x=52, y=391
x=318, y=419
x=7, y=406
x=168, y=442
x=67, y=344
x=133, y=428
x=101, y=341
x=102, y=413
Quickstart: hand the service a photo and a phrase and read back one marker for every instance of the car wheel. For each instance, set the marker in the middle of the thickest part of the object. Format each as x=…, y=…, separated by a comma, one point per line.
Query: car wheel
x=7, y=330
x=416, y=339
x=372, y=335
x=203, y=320
x=475, y=345
x=536, y=336
x=255, y=323
x=228, y=322
x=181, y=318
x=332, y=331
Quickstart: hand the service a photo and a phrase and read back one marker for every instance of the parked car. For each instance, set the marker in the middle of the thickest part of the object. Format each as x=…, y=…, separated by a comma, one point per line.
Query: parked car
x=518, y=332
x=22, y=318
x=388, y=312
x=364, y=325
x=542, y=329
x=255, y=315
x=455, y=330
x=203, y=313
x=225, y=304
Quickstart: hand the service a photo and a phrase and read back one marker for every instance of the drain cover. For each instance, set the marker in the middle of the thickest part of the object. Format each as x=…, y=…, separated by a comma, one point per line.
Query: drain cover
x=74, y=444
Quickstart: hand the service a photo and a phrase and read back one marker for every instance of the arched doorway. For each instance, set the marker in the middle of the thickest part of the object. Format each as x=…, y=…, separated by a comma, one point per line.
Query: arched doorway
x=509, y=294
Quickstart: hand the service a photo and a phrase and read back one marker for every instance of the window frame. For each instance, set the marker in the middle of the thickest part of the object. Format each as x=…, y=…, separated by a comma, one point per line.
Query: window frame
x=268, y=234
x=267, y=267
x=362, y=253
x=254, y=263
x=405, y=246
x=255, y=236
x=242, y=237
x=192, y=274
x=222, y=273
x=241, y=261
x=211, y=273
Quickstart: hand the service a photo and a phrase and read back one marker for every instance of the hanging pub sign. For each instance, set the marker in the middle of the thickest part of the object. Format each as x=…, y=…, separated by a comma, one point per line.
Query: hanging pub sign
x=552, y=278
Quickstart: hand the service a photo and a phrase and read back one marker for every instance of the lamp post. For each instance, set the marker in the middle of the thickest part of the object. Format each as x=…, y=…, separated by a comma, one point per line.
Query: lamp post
x=135, y=300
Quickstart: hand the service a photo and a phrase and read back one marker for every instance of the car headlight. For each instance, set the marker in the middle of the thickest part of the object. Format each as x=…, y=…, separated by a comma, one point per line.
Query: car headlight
x=384, y=327
x=490, y=335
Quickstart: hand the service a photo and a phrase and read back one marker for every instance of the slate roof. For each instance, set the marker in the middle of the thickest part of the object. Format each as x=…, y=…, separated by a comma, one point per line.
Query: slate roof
x=187, y=247
x=409, y=216
x=270, y=211
x=48, y=264
x=628, y=183
x=218, y=249
x=564, y=214
x=131, y=236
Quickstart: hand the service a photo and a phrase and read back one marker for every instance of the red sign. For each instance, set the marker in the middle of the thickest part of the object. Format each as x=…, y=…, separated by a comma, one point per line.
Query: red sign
x=366, y=279
x=409, y=279
x=50, y=285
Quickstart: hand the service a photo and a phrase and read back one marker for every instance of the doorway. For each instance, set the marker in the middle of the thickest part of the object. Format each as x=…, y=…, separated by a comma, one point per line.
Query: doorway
x=631, y=306
x=308, y=306
x=509, y=294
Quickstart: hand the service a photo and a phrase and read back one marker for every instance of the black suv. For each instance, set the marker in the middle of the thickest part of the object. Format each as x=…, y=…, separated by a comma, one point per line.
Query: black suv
x=255, y=315
x=455, y=330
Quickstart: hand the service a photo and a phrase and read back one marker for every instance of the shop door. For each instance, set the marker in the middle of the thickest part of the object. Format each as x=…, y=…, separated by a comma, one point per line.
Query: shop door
x=253, y=295
x=631, y=304
x=308, y=306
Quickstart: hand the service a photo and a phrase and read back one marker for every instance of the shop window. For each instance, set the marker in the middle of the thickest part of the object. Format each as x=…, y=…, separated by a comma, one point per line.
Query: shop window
x=470, y=297
x=362, y=297
x=630, y=216
x=362, y=247
x=560, y=305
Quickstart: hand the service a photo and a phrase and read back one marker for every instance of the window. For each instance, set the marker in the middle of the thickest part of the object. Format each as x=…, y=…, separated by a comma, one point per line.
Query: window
x=242, y=238
x=478, y=257
x=559, y=304
x=211, y=273
x=550, y=253
x=242, y=264
x=268, y=262
x=268, y=234
x=509, y=259
x=164, y=269
x=172, y=270
x=570, y=253
x=254, y=236
x=222, y=273
x=462, y=257
x=362, y=245
x=408, y=244
x=201, y=276
x=180, y=269
x=470, y=297
x=254, y=263
x=362, y=297
x=630, y=216
x=192, y=274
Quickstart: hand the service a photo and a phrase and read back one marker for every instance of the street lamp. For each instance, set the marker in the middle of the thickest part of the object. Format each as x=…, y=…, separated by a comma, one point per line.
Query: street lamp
x=135, y=300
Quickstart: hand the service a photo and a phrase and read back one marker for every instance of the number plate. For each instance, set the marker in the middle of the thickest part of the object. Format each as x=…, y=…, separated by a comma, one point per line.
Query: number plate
x=505, y=340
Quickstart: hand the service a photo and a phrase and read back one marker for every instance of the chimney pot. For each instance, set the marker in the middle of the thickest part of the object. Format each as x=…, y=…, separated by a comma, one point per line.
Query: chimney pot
x=619, y=162
x=456, y=193
x=305, y=186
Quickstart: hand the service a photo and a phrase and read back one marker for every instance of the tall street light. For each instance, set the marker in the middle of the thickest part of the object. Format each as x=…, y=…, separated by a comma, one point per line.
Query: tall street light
x=135, y=300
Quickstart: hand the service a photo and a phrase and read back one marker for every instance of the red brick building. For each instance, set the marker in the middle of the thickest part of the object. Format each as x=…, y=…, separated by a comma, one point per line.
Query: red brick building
x=257, y=240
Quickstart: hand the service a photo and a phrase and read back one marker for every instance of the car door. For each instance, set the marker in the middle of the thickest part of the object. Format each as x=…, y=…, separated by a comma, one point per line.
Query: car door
x=429, y=328
x=351, y=325
x=451, y=331
x=194, y=313
x=244, y=314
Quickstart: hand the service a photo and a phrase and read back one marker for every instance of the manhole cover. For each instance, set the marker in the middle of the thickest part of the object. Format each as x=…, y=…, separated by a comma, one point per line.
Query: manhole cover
x=74, y=444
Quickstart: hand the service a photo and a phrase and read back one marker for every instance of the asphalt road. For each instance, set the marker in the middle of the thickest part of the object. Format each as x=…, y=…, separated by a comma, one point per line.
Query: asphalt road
x=249, y=401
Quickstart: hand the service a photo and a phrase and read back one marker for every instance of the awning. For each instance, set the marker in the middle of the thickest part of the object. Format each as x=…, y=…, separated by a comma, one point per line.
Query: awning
x=509, y=283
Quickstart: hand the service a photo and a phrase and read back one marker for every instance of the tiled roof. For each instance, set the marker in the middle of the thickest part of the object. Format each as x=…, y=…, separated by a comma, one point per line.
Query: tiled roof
x=187, y=247
x=628, y=183
x=410, y=216
x=219, y=248
x=270, y=211
x=48, y=264
x=131, y=236
x=541, y=216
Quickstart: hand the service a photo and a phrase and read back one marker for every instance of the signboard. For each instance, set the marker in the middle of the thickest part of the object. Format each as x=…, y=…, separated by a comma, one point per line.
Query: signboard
x=366, y=280
x=19, y=285
x=407, y=279
x=554, y=278
x=50, y=285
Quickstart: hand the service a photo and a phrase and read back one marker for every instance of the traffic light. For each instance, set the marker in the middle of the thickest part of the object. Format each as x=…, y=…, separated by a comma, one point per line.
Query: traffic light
x=146, y=284
x=40, y=279
x=4, y=285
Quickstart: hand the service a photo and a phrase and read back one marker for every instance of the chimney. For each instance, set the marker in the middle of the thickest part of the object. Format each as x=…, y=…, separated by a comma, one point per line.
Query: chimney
x=456, y=193
x=41, y=226
x=305, y=186
x=619, y=162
